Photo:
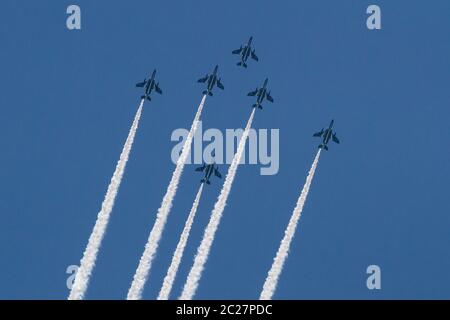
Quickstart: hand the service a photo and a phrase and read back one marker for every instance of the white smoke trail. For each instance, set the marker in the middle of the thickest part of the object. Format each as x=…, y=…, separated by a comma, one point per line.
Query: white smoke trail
x=274, y=274
x=143, y=270
x=205, y=246
x=87, y=263
x=178, y=254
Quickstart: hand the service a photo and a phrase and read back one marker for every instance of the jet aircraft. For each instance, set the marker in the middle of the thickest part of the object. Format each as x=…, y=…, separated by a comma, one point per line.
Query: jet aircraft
x=261, y=95
x=149, y=86
x=327, y=135
x=211, y=81
x=209, y=169
x=246, y=52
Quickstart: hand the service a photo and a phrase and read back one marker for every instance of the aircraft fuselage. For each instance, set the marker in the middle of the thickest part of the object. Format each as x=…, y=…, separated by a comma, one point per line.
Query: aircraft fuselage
x=262, y=93
x=209, y=171
x=328, y=133
x=327, y=136
x=247, y=50
x=212, y=81
x=150, y=84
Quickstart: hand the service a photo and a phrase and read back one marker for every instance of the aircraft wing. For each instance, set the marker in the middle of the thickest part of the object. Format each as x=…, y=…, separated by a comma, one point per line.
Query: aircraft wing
x=252, y=93
x=200, y=168
x=254, y=57
x=237, y=51
x=269, y=97
x=219, y=84
x=335, y=139
x=141, y=84
x=318, y=134
x=158, y=89
x=203, y=79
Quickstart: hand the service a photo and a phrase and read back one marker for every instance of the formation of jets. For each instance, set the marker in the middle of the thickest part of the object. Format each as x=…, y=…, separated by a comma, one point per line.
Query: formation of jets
x=213, y=80
x=327, y=135
x=149, y=86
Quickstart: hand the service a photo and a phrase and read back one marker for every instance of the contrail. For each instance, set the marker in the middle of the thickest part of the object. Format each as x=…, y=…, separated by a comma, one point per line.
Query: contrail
x=143, y=270
x=178, y=255
x=87, y=263
x=274, y=274
x=205, y=246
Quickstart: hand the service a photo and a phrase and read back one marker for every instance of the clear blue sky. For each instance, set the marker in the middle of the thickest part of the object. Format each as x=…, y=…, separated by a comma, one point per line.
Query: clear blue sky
x=381, y=197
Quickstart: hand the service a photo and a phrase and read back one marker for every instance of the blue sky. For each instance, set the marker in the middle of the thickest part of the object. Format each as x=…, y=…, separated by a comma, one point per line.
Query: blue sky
x=381, y=197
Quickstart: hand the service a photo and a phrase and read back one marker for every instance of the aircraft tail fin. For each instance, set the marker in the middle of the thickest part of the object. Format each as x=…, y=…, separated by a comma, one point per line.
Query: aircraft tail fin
x=245, y=65
x=239, y=63
x=210, y=93
x=148, y=98
x=322, y=146
x=205, y=92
